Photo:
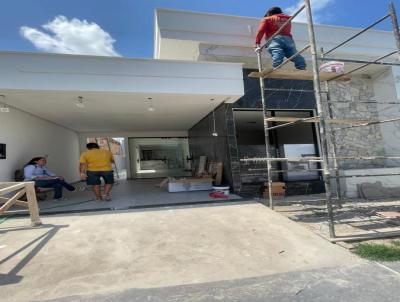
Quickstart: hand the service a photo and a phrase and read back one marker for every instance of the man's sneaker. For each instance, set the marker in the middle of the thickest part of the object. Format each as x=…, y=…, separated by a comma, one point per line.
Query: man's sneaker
x=107, y=197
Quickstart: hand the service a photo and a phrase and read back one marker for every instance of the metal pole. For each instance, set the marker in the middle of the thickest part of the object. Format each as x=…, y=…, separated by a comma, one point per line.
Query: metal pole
x=266, y=132
x=368, y=124
x=109, y=148
x=283, y=26
x=293, y=123
x=363, y=66
x=315, y=159
x=264, y=159
x=320, y=113
x=289, y=90
x=359, y=33
x=332, y=136
x=368, y=175
x=361, y=61
x=395, y=23
x=365, y=102
x=287, y=60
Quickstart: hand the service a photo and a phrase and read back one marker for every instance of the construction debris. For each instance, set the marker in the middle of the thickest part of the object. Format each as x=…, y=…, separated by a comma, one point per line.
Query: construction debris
x=388, y=214
x=190, y=184
x=373, y=191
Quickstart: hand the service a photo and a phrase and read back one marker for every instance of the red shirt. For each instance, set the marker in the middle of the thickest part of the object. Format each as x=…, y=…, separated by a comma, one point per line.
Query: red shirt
x=270, y=25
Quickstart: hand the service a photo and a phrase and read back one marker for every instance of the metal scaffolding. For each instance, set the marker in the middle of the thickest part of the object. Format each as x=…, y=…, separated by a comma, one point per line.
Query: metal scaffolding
x=323, y=117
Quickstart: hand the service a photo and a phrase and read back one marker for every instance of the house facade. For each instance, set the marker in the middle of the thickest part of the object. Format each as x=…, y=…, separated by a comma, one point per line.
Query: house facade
x=196, y=85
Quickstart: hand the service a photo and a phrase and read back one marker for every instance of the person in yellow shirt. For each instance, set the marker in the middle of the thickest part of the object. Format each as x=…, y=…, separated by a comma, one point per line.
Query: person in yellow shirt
x=96, y=163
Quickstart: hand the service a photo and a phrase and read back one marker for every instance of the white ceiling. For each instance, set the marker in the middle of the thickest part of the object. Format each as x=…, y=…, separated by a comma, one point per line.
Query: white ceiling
x=114, y=112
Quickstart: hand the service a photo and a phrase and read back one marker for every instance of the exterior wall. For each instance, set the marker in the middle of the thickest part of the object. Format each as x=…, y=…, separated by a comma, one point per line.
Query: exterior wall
x=373, y=140
x=360, y=141
x=387, y=89
x=28, y=136
x=252, y=100
x=56, y=72
x=225, y=148
x=185, y=30
x=350, y=185
x=201, y=142
x=299, y=98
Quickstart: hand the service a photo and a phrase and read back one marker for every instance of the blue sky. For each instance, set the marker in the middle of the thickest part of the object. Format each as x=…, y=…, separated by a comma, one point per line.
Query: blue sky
x=125, y=27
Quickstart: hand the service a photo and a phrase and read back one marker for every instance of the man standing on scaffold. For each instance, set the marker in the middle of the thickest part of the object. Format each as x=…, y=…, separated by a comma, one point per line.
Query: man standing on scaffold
x=281, y=45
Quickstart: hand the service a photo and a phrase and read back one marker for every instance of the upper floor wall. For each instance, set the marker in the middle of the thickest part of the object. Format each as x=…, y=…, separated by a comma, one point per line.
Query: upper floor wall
x=181, y=34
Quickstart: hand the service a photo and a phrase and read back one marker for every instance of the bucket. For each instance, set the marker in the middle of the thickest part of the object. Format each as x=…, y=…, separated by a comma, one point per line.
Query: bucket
x=332, y=66
x=225, y=190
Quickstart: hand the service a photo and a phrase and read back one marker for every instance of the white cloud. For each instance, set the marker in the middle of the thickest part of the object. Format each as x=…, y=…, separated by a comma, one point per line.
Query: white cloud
x=316, y=5
x=71, y=36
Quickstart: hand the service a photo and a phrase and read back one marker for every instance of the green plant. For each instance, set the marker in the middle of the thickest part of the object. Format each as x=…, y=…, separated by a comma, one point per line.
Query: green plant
x=396, y=243
x=378, y=252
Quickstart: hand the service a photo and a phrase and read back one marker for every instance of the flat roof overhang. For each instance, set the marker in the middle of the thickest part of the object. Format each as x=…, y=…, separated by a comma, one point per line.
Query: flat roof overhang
x=115, y=90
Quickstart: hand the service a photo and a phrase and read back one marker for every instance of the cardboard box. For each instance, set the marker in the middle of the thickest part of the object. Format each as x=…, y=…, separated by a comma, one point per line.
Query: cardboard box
x=276, y=185
x=278, y=190
x=277, y=194
x=190, y=184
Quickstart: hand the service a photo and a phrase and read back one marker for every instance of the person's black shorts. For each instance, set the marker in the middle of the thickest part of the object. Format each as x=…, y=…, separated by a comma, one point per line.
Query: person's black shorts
x=94, y=177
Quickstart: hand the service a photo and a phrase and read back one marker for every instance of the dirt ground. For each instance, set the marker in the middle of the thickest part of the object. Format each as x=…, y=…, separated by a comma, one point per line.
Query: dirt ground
x=352, y=219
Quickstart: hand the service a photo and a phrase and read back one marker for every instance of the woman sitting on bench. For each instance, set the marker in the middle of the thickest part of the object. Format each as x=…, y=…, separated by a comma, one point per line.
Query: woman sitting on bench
x=36, y=171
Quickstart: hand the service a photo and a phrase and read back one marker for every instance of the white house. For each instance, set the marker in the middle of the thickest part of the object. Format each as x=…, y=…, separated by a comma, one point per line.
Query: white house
x=200, y=63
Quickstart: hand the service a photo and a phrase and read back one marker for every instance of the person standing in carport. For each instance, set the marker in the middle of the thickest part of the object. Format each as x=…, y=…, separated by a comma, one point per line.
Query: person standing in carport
x=95, y=164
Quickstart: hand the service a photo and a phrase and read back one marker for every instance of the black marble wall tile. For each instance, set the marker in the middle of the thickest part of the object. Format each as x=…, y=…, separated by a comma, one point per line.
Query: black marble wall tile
x=296, y=95
x=276, y=99
x=202, y=143
x=233, y=149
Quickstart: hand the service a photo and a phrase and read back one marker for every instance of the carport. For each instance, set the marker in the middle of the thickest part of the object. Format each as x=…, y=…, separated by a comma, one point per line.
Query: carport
x=56, y=101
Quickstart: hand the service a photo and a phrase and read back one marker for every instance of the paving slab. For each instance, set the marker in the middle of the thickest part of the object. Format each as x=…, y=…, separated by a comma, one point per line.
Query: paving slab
x=103, y=253
x=127, y=194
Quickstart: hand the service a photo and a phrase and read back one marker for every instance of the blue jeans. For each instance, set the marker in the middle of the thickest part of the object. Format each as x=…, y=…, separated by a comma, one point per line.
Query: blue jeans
x=56, y=184
x=283, y=46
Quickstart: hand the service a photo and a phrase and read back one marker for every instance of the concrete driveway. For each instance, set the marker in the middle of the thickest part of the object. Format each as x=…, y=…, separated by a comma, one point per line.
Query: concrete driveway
x=113, y=252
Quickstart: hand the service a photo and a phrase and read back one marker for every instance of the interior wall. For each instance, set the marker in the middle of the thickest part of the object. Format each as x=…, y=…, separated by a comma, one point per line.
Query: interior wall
x=28, y=136
x=135, y=143
x=126, y=135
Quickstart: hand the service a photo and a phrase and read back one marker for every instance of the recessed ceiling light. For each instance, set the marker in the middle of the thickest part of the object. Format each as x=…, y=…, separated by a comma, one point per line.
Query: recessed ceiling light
x=79, y=103
x=151, y=107
x=3, y=105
